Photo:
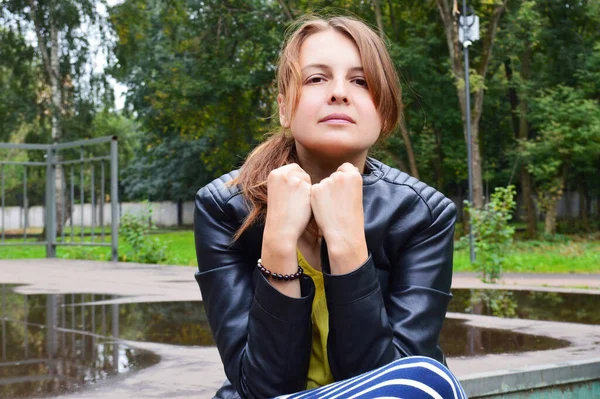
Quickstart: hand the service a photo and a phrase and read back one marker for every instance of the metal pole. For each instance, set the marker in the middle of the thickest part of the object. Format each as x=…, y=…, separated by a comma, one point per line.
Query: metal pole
x=50, y=205
x=3, y=225
x=102, y=198
x=81, y=187
x=114, y=198
x=72, y=202
x=25, y=204
x=93, y=201
x=4, y=318
x=468, y=123
x=63, y=205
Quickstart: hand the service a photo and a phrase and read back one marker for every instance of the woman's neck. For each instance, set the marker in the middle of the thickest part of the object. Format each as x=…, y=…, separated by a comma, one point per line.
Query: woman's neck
x=319, y=168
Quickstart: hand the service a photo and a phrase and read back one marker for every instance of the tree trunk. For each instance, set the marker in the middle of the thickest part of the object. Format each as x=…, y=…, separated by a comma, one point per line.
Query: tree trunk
x=476, y=160
x=286, y=10
x=437, y=161
x=378, y=19
x=526, y=180
x=393, y=18
x=409, y=149
x=56, y=125
x=583, y=204
x=550, y=219
x=549, y=202
x=454, y=47
x=513, y=98
x=51, y=61
x=527, y=188
x=397, y=160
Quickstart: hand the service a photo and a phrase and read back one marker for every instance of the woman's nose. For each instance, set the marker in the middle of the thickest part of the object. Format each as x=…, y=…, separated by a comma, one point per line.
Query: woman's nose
x=339, y=93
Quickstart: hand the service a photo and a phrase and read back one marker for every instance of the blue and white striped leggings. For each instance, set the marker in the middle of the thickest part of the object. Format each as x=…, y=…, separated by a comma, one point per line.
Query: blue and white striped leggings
x=414, y=377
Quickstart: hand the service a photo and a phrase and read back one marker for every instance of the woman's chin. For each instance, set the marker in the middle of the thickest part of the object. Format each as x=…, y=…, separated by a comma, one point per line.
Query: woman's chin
x=337, y=149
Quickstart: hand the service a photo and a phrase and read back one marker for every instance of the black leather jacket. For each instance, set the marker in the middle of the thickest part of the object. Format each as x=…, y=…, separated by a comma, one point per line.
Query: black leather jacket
x=391, y=307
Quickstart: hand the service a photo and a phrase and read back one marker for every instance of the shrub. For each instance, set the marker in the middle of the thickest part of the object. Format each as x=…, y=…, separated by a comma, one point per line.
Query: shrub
x=492, y=234
x=135, y=229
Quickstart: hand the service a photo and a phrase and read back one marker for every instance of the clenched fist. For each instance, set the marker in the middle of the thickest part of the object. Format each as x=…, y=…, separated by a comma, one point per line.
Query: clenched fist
x=337, y=204
x=288, y=203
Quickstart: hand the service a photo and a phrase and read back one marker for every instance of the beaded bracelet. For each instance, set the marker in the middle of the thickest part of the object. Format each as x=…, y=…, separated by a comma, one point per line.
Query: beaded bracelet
x=280, y=277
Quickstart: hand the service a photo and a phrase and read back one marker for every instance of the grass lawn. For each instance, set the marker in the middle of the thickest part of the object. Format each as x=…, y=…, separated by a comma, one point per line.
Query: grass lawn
x=180, y=249
x=571, y=254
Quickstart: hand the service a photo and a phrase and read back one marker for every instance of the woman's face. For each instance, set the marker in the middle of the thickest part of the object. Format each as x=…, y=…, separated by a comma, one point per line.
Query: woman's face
x=335, y=116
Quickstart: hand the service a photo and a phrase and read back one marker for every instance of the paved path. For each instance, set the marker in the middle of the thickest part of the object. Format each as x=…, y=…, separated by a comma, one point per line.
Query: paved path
x=197, y=372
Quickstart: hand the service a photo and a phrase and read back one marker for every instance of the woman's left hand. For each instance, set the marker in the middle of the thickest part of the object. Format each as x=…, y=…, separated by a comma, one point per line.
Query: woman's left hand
x=337, y=205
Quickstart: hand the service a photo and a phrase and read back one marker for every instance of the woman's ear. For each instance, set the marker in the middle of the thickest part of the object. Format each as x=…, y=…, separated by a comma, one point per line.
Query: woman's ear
x=283, y=119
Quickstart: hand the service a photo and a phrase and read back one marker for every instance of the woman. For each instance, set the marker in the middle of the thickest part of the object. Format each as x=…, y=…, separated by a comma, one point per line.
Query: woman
x=317, y=263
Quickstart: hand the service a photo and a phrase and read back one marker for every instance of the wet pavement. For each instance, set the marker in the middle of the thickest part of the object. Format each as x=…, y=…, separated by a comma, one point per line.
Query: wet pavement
x=156, y=352
x=525, y=304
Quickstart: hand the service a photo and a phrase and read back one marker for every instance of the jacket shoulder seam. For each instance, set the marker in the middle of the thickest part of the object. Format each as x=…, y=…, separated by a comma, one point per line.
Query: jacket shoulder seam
x=219, y=189
x=433, y=201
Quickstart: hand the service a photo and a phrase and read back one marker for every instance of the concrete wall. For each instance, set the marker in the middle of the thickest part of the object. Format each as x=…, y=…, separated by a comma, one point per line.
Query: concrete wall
x=164, y=214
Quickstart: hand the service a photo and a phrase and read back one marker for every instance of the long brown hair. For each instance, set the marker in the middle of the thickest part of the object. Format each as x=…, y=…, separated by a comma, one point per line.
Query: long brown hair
x=280, y=148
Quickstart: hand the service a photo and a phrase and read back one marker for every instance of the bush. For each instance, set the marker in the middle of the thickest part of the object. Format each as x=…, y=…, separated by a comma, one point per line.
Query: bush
x=135, y=229
x=492, y=235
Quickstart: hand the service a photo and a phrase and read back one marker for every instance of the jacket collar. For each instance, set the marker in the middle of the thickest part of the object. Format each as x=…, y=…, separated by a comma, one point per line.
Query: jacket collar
x=374, y=171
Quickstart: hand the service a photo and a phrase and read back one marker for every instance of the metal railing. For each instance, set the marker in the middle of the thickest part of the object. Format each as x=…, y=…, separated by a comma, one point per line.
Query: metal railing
x=52, y=164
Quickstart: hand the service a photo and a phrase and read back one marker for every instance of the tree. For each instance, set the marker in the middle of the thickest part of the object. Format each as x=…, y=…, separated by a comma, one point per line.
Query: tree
x=568, y=128
x=495, y=9
x=61, y=31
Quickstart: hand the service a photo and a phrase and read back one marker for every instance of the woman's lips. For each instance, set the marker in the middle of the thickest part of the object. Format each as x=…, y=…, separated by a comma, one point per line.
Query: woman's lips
x=337, y=122
x=337, y=119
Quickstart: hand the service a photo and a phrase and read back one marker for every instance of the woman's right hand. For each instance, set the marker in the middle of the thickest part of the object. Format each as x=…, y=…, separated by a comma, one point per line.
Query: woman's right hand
x=288, y=214
x=288, y=204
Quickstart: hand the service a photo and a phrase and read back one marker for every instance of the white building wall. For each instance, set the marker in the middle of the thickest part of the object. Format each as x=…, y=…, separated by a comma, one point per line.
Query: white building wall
x=164, y=214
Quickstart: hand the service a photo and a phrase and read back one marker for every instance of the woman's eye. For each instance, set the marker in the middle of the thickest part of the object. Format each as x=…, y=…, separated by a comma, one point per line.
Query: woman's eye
x=361, y=82
x=314, y=79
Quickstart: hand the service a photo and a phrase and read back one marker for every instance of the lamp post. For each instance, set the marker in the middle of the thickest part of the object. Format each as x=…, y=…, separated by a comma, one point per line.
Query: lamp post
x=468, y=32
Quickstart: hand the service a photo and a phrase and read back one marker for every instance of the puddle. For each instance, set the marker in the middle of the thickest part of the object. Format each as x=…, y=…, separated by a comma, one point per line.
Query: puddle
x=458, y=339
x=54, y=344
x=50, y=347
x=532, y=305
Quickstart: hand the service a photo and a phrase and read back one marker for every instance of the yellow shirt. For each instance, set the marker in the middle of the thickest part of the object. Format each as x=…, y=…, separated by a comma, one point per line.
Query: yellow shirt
x=319, y=373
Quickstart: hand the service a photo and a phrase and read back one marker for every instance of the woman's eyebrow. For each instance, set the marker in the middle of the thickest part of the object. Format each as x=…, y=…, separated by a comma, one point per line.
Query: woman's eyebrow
x=328, y=68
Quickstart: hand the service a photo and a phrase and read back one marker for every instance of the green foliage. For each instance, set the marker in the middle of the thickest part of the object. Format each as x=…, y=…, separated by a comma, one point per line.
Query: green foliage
x=568, y=135
x=18, y=75
x=476, y=82
x=493, y=302
x=135, y=229
x=492, y=233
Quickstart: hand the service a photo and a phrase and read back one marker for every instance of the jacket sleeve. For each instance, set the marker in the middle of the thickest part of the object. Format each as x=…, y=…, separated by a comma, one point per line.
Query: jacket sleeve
x=368, y=330
x=263, y=336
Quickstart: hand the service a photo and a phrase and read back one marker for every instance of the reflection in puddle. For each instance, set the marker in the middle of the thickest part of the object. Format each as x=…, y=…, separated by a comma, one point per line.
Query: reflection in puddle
x=49, y=345
x=458, y=339
x=184, y=323
x=533, y=305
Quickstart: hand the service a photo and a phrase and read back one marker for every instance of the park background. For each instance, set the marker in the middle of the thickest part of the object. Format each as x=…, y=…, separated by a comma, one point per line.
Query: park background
x=198, y=83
